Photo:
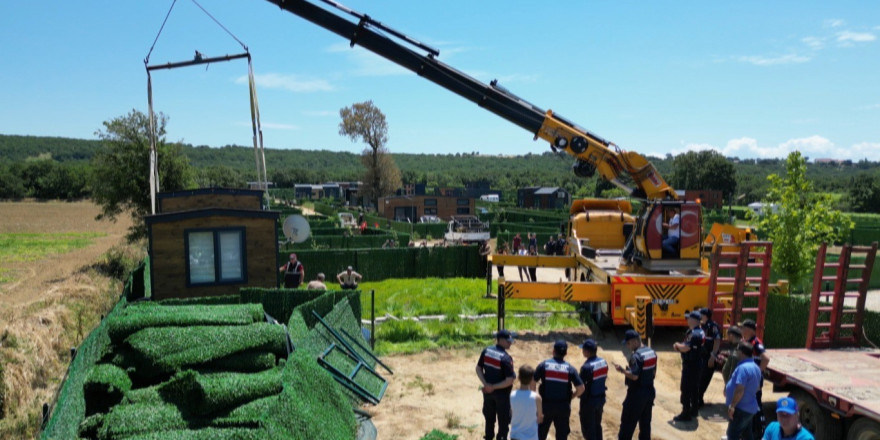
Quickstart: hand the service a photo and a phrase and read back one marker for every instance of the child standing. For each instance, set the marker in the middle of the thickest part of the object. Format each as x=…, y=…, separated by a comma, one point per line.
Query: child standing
x=525, y=407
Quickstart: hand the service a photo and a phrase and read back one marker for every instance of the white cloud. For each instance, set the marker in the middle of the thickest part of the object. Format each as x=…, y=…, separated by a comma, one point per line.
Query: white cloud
x=833, y=23
x=814, y=43
x=291, y=83
x=773, y=61
x=855, y=37
x=814, y=147
x=865, y=150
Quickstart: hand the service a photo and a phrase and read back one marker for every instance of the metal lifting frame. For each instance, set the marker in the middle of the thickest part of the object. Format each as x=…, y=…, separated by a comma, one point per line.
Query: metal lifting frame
x=259, y=154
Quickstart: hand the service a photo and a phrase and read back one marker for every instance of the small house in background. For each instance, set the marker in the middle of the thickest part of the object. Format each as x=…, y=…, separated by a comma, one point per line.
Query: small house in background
x=709, y=198
x=211, y=242
x=543, y=197
x=412, y=208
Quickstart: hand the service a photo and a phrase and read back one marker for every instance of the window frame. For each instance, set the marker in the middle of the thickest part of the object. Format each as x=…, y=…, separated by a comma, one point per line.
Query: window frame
x=217, y=255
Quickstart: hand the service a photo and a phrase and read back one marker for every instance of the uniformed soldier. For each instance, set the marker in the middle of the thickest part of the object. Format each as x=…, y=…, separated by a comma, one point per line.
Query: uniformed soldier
x=749, y=332
x=560, y=245
x=593, y=374
x=557, y=377
x=639, y=401
x=711, y=348
x=690, y=367
x=495, y=370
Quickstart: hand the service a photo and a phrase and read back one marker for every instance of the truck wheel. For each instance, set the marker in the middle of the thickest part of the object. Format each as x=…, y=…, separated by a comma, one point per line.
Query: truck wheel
x=864, y=429
x=816, y=419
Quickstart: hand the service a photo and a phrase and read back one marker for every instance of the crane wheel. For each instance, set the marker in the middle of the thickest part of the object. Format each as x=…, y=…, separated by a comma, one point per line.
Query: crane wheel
x=816, y=419
x=864, y=429
x=579, y=144
x=583, y=169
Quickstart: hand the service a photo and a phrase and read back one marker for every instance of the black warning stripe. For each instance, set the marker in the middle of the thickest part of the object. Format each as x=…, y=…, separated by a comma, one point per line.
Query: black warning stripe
x=568, y=292
x=508, y=290
x=664, y=291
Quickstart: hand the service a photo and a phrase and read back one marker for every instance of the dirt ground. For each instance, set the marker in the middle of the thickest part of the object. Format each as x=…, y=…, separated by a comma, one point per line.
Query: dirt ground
x=439, y=390
x=50, y=305
x=34, y=281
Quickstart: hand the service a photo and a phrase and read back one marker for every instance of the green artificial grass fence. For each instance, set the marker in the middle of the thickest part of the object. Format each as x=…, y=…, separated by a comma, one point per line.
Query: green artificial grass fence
x=139, y=316
x=233, y=379
x=787, y=319
x=105, y=387
x=381, y=264
x=70, y=407
x=163, y=350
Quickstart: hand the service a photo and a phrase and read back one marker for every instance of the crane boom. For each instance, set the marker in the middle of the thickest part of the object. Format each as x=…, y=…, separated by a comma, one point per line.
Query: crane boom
x=592, y=152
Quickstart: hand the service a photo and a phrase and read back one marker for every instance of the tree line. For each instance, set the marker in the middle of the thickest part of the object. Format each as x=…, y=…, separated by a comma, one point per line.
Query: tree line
x=62, y=168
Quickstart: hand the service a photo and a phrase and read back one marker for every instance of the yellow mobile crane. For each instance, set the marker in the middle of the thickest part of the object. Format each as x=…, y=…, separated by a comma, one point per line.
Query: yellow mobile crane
x=614, y=259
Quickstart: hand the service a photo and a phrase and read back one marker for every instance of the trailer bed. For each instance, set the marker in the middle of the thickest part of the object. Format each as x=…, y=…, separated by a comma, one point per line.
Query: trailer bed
x=846, y=380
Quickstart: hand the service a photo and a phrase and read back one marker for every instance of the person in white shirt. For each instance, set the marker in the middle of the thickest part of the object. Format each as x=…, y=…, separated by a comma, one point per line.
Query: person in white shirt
x=673, y=235
x=525, y=407
x=348, y=279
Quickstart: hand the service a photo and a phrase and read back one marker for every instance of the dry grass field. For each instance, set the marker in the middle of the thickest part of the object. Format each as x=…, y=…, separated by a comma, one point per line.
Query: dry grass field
x=53, y=292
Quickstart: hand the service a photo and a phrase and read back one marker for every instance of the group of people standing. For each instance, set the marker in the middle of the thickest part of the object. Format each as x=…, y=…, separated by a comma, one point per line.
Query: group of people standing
x=743, y=373
x=294, y=274
x=545, y=393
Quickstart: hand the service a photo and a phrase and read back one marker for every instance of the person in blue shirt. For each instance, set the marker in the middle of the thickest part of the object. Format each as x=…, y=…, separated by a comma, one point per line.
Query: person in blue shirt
x=495, y=371
x=557, y=377
x=593, y=373
x=787, y=426
x=740, y=395
x=690, y=350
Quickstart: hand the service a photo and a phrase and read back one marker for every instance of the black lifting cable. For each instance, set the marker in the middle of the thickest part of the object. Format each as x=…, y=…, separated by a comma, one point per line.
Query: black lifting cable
x=147, y=59
x=221, y=25
x=200, y=59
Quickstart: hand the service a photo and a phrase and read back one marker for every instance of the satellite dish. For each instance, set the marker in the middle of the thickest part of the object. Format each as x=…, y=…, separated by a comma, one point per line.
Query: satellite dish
x=296, y=228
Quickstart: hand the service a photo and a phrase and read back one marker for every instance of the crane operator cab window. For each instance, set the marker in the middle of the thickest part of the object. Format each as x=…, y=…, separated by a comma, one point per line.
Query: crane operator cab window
x=671, y=233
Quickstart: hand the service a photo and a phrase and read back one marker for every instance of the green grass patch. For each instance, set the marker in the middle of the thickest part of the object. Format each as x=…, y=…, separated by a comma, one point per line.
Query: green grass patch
x=451, y=298
x=438, y=435
x=25, y=247
x=448, y=296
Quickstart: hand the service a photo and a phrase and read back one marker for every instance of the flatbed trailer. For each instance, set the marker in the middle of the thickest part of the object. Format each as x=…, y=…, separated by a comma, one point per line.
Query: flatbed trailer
x=838, y=390
x=835, y=379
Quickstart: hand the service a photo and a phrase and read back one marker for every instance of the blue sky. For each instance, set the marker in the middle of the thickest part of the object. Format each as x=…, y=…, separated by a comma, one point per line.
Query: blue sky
x=748, y=78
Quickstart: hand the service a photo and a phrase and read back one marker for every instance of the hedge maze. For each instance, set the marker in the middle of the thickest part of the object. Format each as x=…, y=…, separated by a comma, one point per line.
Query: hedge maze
x=238, y=367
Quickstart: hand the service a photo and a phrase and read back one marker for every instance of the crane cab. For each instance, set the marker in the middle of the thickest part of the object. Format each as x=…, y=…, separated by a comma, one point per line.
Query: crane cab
x=668, y=236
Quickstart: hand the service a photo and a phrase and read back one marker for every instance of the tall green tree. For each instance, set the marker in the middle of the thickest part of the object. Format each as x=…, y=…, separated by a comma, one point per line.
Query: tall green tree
x=704, y=170
x=121, y=169
x=801, y=221
x=863, y=193
x=366, y=123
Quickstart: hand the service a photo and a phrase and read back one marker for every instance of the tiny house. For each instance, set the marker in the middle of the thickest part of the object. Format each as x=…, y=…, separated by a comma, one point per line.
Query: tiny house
x=211, y=242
